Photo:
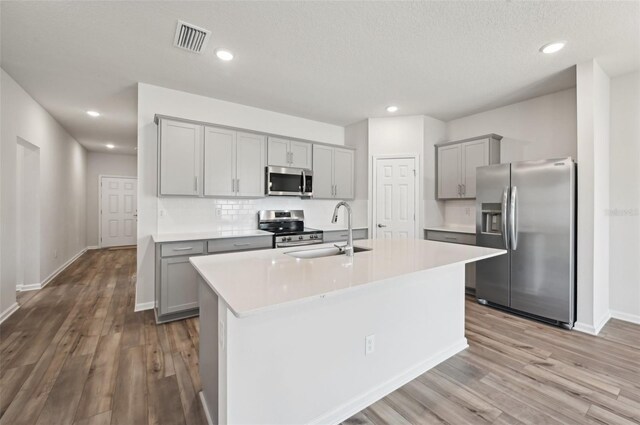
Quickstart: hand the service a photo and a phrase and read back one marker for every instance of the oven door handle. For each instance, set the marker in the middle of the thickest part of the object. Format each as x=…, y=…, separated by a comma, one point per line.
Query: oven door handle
x=289, y=244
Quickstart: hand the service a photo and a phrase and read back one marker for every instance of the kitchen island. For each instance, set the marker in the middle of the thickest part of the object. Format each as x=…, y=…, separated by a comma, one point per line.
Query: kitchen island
x=289, y=340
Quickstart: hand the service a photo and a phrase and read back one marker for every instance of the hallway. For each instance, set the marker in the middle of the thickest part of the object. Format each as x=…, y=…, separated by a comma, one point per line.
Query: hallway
x=76, y=353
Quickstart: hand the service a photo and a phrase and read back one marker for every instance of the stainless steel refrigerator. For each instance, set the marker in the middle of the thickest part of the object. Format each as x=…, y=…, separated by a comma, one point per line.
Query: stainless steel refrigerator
x=529, y=209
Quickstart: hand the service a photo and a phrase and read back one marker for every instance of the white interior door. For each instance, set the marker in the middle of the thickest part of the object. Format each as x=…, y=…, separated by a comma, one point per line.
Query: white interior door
x=118, y=211
x=395, y=198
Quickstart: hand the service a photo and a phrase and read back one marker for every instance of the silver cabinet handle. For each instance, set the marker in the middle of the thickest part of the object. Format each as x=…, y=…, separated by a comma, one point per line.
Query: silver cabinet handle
x=505, y=219
x=233, y=185
x=195, y=183
x=237, y=185
x=464, y=189
x=382, y=225
x=450, y=238
x=304, y=182
x=513, y=218
x=186, y=248
x=241, y=244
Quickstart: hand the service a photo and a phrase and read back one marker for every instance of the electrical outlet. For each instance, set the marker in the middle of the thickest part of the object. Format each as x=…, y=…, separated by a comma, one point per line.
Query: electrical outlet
x=369, y=344
x=467, y=211
x=161, y=213
x=218, y=212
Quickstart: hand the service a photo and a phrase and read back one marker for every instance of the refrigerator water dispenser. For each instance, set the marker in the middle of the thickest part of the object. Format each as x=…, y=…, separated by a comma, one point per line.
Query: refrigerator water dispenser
x=491, y=219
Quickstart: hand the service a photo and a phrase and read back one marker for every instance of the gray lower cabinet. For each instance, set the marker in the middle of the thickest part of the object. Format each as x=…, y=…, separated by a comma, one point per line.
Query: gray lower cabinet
x=177, y=280
x=461, y=238
x=342, y=235
x=179, y=286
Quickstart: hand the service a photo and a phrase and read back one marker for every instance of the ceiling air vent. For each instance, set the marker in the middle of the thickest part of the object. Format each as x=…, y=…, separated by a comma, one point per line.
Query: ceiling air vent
x=190, y=37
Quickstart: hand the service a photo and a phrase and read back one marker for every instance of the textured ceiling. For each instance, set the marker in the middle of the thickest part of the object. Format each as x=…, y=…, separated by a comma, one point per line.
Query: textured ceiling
x=337, y=62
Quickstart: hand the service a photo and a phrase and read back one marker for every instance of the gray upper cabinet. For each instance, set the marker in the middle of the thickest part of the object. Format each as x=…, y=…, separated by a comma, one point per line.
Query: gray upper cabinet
x=289, y=153
x=233, y=163
x=219, y=162
x=180, y=158
x=250, y=163
x=457, y=163
x=449, y=171
x=333, y=173
x=343, y=173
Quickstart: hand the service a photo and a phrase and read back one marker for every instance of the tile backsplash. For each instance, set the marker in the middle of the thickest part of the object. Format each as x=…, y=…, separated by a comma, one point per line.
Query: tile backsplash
x=199, y=214
x=460, y=212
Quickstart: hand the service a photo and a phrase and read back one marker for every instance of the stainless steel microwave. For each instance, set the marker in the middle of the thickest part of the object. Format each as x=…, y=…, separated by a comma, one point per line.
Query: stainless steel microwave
x=286, y=181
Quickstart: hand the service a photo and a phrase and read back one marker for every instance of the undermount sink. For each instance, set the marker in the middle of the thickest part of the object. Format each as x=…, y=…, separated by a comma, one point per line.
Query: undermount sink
x=323, y=252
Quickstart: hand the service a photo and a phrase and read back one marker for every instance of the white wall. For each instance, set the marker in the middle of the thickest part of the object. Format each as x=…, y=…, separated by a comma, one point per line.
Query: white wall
x=62, y=186
x=539, y=128
x=624, y=274
x=401, y=135
x=356, y=135
x=181, y=214
x=98, y=164
x=434, y=133
x=593, y=197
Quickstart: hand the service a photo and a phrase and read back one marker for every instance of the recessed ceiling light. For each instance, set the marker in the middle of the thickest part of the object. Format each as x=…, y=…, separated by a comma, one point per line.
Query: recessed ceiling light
x=553, y=47
x=93, y=113
x=224, y=55
x=392, y=108
x=110, y=146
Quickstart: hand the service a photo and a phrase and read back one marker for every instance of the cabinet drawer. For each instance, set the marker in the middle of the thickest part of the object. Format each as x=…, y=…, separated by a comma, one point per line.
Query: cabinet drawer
x=240, y=244
x=462, y=238
x=342, y=235
x=181, y=248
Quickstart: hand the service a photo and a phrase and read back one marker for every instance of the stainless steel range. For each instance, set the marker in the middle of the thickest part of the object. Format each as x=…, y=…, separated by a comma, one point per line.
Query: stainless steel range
x=288, y=228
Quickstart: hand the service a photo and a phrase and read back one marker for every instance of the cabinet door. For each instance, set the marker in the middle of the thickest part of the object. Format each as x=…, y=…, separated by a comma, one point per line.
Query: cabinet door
x=180, y=158
x=322, y=171
x=178, y=285
x=300, y=154
x=343, y=173
x=278, y=152
x=474, y=154
x=219, y=162
x=250, y=165
x=449, y=171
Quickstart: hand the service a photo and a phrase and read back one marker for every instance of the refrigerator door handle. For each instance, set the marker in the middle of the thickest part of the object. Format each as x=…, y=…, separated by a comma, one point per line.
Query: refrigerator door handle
x=513, y=218
x=505, y=219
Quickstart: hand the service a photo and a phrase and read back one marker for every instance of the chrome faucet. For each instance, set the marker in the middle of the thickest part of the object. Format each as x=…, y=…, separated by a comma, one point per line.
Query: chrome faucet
x=348, y=248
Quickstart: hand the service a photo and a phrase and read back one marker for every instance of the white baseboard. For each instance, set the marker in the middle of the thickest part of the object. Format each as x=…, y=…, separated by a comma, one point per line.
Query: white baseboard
x=145, y=306
x=593, y=329
x=93, y=247
x=621, y=315
x=584, y=328
x=29, y=287
x=8, y=312
x=61, y=268
x=345, y=411
x=207, y=414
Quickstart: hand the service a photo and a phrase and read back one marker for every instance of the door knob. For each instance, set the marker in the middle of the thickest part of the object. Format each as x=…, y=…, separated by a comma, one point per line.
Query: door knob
x=382, y=225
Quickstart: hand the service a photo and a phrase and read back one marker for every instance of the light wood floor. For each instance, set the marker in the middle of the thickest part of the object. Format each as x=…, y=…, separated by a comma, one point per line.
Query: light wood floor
x=76, y=353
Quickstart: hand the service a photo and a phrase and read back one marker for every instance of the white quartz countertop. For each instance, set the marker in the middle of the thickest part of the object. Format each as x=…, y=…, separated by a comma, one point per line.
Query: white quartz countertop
x=214, y=234
x=257, y=281
x=456, y=228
